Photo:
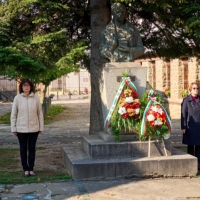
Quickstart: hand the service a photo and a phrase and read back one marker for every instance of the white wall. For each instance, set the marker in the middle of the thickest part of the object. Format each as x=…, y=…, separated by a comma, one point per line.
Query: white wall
x=71, y=82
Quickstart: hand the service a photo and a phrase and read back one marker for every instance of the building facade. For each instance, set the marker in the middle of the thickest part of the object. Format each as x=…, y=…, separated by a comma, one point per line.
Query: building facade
x=174, y=74
x=74, y=83
x=7, y=84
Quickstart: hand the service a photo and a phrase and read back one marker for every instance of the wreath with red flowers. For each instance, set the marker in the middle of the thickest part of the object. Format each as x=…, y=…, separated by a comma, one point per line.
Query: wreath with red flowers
x=127, y=112
x=156, y=121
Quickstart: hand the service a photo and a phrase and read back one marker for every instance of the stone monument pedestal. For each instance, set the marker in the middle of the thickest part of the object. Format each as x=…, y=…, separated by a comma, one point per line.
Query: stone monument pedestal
x=110, y=83
x=97, y=159
x=108, y=137
x=97, y=148
x=100, y=157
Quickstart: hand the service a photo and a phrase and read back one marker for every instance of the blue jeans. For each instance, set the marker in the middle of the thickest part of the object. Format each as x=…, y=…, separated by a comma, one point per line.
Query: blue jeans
x=27, y=143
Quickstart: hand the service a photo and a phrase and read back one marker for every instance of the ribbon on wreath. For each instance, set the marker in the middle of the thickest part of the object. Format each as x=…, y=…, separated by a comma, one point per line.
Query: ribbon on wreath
x=125, y=81
x=152, y=100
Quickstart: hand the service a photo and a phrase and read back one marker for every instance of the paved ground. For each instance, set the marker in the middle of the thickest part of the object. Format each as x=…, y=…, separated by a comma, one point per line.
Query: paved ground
x=67, y=129
x=5, y=108
x=133, y=189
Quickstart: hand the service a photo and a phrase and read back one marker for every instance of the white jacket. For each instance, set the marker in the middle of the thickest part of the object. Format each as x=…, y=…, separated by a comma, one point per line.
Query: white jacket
x=26, y=116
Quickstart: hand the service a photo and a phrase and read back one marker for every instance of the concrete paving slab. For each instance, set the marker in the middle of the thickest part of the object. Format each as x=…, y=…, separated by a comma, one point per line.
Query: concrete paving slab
x=26, y=188
x=63, y=188
x=118, y=189
x=9, y=196
x=140, y=189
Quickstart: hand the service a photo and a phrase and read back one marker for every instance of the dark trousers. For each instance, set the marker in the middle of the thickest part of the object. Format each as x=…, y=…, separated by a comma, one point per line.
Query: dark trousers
x=27, y=141
x=194, y=150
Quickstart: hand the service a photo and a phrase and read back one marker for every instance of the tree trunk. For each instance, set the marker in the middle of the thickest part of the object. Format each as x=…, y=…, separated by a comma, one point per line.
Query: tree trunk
x=100, y=16
x=44, y=91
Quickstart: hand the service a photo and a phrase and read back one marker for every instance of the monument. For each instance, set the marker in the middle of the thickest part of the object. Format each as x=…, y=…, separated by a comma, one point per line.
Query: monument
x=100, y=157
x=120, y=41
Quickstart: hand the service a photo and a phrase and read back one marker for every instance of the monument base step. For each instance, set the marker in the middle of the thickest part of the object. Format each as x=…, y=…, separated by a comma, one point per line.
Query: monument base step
x=111, y=138
x=82, y=167
x=95, y=147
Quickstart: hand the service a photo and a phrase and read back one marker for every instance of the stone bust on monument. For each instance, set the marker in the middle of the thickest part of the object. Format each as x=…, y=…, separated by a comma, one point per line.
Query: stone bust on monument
x=120, y=41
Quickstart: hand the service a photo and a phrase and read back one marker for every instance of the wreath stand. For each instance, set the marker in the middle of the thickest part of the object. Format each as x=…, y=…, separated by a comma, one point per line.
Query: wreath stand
x=149, y=147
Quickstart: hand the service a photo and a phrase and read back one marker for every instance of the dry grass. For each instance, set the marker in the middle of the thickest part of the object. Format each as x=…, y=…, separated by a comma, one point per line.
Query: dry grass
x=11, y=170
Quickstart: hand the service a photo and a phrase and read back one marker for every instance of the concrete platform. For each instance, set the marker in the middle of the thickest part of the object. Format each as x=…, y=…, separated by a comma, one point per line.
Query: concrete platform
x=83, y=167
x=95, y=147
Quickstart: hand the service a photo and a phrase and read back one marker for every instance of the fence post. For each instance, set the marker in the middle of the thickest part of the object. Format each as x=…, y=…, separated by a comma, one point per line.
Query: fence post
x=45, y=106
x=48, y=100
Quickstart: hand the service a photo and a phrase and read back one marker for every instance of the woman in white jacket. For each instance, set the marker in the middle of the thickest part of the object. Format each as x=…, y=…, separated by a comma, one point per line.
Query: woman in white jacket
x=26, y=123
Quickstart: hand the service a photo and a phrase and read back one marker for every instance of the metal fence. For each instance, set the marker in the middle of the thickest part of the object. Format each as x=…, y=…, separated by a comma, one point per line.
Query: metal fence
x=7, y=96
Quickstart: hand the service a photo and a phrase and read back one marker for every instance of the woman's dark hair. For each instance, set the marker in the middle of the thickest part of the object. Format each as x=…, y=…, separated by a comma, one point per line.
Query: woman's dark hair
x=26, y=81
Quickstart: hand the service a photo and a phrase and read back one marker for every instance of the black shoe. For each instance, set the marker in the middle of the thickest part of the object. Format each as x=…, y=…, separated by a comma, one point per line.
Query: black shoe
x=32, y=175
x=26, y=175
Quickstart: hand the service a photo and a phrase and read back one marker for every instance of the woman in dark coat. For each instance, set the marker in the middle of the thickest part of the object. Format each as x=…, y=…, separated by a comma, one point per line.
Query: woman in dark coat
x=190, y=121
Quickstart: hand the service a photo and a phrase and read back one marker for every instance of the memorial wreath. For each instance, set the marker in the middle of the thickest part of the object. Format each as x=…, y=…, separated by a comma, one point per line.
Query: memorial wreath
x=125, y=111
